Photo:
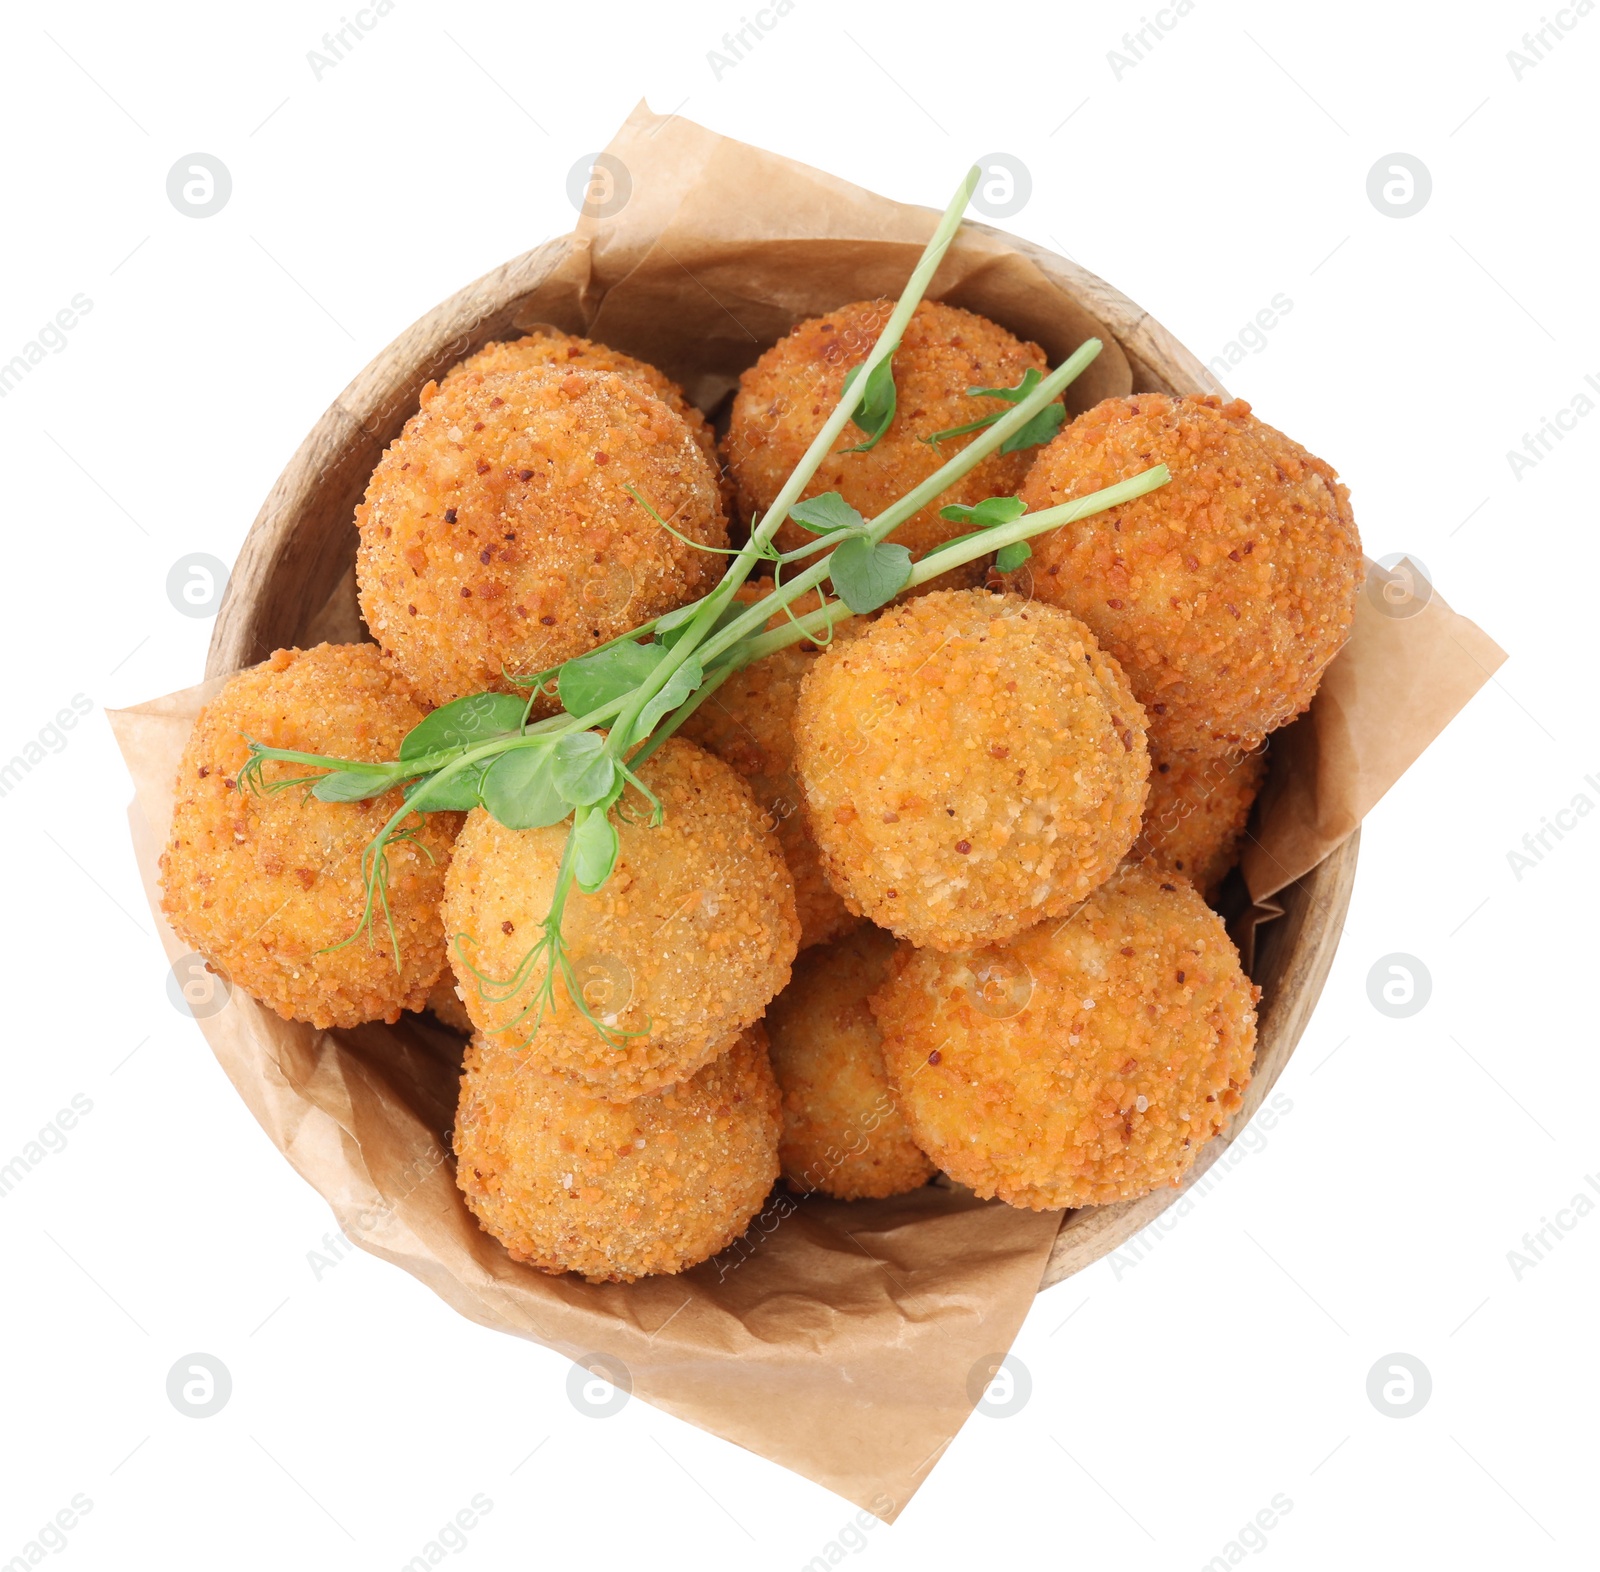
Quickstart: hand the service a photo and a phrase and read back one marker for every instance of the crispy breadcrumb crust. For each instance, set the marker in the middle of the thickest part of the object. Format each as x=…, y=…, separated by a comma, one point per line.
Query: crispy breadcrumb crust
x=842, y=1133
x=569, y=1182
x=1087, y=1061
x=1224, y=593
x=263, y=884
x=569, y=352
x=785, y=398
x=685, y=944
x=972, y=764
x=498, y=536
x=1195, y=817
x=749, y=723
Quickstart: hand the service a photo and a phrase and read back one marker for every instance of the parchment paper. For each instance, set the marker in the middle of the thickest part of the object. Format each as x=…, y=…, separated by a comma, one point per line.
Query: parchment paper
x=1402, y=678
x=848, y=1342
x=721, y=248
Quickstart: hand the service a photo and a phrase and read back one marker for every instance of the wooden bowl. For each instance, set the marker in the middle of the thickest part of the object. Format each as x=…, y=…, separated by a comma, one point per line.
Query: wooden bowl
x=293, y=584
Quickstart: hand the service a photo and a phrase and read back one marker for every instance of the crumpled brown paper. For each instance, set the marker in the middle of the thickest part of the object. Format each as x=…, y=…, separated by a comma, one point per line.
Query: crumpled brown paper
x=1410, y=665
x=845, y=1341
x=839, y=1339
x=698, y=201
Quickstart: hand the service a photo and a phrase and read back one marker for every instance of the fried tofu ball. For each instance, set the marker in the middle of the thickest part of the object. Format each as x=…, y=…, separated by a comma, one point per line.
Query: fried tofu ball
x=498, y=535
x=842, y=1133
x=263, y=883
x=1224, y=593
x=1085, y=1062
x=749, y=723
x=569, y=1182
x=568, y=352
x=786, y=397
x=1196, y=813
x=972, y=764
x=683, y=946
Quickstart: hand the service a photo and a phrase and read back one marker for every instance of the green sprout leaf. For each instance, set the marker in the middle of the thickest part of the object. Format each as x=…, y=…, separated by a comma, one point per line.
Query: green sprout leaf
x=594, y=849
x=1040, y=429
x=986, y=514
x=590, y=681
x=1036, y=432
x=460, y=794
x=1030, y=380
x=581, y=769
x=354, y=785
x=868, y=576
x=825, y=514
x=676, y=621
x=674, y=691
x=519, y=789
x=876, y=408
x=465, y=723
x=640, y=686
x=675, y=624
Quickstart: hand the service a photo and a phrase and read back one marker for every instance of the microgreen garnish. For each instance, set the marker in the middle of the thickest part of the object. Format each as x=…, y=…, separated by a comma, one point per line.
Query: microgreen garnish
x=594, y=679
x=520, y=790
x=644, y=502
x=868, y=575
x=1034, y=433
x=991, y=513
x=459, y=795
x=827, y=515
x=876, y=409
x=673, y=692
x=475, y=718
x=621, y=701
x=594, y=848
x=986, y=514
x=545, y=961
x=675, y=624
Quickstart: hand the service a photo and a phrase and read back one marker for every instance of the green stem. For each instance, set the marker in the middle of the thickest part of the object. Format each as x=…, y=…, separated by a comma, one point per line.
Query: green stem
x=888, y=341
x=744, y=639
x=800, y=477
x=539, y=678
x=948, y=473
x=1031, y=524
x=971, y=547
x=445, y=760
x=326, y=761
x=621, y=736
x=919, y=497
x=676, y=719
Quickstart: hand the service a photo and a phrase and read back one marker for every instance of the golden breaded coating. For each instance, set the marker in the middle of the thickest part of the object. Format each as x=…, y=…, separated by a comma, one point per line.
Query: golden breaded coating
x=1196, y=813
x=749, y=723
x=568, y=352
x=498, y=535
x=263, y=884
x=1085, y=1062
x=787, y=396
x=569, y=1182
x=1223, y=594
x=972, y=764
x=842, y=1133
x=685, y=944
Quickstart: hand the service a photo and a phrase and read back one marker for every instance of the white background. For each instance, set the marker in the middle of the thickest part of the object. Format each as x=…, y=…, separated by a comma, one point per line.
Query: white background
x=1171, y=1399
